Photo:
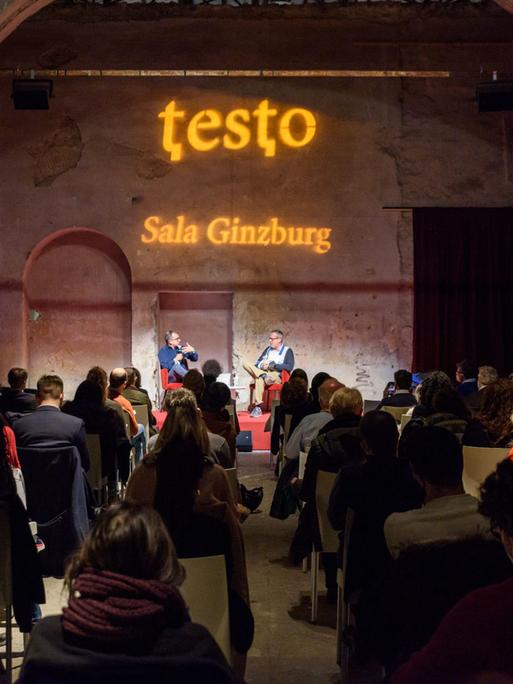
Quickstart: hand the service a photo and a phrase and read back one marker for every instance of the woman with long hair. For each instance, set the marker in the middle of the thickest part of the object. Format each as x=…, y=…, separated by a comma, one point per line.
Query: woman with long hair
x=493, y=424
x=125, y=615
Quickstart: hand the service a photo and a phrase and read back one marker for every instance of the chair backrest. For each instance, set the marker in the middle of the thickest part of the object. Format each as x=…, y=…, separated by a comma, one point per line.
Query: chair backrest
x=405, y=419
x=5, y=560
x=323, y=487
x=142, y=417
x=370, y=404
x=94, y=474
x=231, y=474
x=396, y=411
x=209, y=608
x=478, y=463
x=231, y=412
x=286, y=427
x=285, y=376
x=303, y=455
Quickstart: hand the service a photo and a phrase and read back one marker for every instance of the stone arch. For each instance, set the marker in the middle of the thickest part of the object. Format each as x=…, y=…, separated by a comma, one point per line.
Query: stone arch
x=77, y=301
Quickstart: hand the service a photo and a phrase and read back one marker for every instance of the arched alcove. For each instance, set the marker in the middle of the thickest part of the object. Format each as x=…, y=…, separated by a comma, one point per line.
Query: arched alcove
x=77, y=305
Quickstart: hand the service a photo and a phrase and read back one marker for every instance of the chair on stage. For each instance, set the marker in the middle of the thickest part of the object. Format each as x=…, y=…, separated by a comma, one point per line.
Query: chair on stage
x=271, y=392
x=478, y=463
x=164, y=379
x=209, y=608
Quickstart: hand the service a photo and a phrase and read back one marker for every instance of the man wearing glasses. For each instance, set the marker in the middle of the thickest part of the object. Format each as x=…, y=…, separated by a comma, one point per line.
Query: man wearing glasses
x=174, y=356
x=267, y=370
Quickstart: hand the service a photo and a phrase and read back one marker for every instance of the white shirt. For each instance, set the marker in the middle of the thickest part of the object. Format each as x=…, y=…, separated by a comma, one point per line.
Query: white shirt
x=305, y=433
x=446, y=519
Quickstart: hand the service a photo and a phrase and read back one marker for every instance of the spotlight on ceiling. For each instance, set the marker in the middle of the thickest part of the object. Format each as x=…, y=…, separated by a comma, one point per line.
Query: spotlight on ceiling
x=31, y=93
x=496, y=96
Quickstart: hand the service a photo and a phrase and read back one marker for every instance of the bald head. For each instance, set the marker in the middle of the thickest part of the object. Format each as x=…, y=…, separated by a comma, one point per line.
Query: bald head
x=117, y=378
x=328, y=387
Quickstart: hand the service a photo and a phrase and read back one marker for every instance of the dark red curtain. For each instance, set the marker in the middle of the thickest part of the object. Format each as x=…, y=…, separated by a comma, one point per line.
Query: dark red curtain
x=463, y=284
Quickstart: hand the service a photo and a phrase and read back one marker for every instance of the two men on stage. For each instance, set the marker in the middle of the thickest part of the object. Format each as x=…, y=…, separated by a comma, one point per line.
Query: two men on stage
x=174, y=356
x=267, y=370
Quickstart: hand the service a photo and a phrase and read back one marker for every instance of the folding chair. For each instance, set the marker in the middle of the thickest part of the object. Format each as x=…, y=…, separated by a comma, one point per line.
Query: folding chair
x=478, y=463
x=397, y=412
x=208, y=608
x=329, y=536
x=231, y=474
x=142, y=417
x=96, y=480
x=286, y=431
x=344, y=602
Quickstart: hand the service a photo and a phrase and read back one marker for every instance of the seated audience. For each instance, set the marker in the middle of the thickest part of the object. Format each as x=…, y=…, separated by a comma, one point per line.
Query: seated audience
x=485, y=376
x=211, y=370
x=117, y=384
x=98, y=376
x=448, y=513
x=193, y=381
x=449, y=412
x=373, y=490
x=294, y=401
x=15, y=399
x=126, y=618
x=493, y=425
x=193, y=496
x=430, y=385
x=217, y=419
x=48, y=425
x=475, y=636
x=137, y=396
x=27, y=584
x=317, y=381
x=402, y=395
x=466, y=377
x=285, y=499
x=299, y=373
x=89, y=405
x=336, y=447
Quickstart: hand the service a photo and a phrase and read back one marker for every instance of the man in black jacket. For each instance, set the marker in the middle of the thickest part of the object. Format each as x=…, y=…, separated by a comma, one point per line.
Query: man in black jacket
x=15, y=399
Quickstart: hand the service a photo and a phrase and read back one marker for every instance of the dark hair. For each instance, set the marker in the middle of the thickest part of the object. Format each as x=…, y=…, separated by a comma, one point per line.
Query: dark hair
x=131, y=540
x=447, y=400
x=179, y=466
x=299, y=373
x=88, y=393
x=468, y=368
x=430, y=386
x=402, y=379
x=193, y=381
x=496, y=409
x=436, y=455
x=379, y=430
x=98, y=375
x=216, y=396
x=130, y=376
x=497, y=497
x=17, y=377
x=211, y=370
x=49, y=387
x=294, y=393
x=317, y=381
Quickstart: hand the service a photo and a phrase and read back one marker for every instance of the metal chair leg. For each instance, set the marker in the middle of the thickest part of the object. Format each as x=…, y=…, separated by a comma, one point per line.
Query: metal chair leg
x=314, y=570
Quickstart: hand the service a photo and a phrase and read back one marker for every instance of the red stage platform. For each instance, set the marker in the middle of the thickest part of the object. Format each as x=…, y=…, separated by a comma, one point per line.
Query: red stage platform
x=261, y=439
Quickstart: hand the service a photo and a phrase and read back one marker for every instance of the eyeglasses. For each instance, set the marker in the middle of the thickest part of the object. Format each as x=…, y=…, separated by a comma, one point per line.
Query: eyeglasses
x=275, y=338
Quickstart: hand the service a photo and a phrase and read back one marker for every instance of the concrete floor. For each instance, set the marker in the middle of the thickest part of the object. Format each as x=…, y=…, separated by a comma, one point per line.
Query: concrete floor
x=287, y=648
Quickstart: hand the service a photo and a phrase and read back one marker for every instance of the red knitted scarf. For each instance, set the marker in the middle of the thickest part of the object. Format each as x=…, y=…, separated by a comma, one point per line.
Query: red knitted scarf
x=112, y=607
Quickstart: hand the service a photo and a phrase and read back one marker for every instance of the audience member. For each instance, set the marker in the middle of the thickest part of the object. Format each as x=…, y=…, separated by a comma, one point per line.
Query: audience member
x=336, y=447
x=299, y=373
x=448, y=513
x=317, y=381
x=15, y=399
x=98, y=376
x=48, y=425
x=402, y=395
x=493, y=425
x=137, y=396
x=117, y=384
x=466, y=377
x=475, y=636
x=89, y=405
x=27, y=584
x=449, y=412
x=429, y=387
x=193, y=381
x=211, y=370
x=485, y=376
x=126, y=618
x=294, y=401
x=217, y=419
x=193, y=496
x=373, y=490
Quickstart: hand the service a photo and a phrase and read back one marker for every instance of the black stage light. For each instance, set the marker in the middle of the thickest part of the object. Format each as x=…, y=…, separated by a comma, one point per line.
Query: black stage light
x=31, y=93
x=496, y=96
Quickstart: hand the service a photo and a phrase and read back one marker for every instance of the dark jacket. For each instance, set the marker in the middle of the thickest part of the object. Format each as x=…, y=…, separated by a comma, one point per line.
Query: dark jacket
x=17, y=401
x=48, y=424
x=288, y=361
x=186, y=654
x=336, y=446
x=478, y=436
x=138, y=397
x=176, y=369
x=402, y=399
x=449, y=422
x=297, y=413
x=219, y=423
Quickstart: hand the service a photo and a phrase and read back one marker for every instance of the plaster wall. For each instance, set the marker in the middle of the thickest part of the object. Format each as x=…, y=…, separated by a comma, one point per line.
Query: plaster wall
x=95, y=159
